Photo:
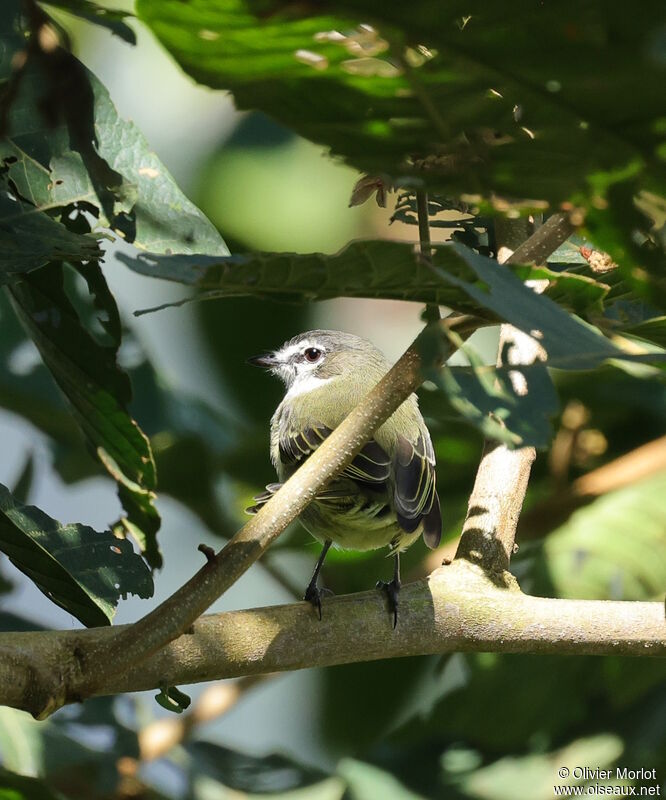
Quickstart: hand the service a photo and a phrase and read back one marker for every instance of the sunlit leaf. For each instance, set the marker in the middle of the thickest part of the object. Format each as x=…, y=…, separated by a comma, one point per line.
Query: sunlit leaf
x=110, y=18
x=531, y=777
x=565, y=111
x=614, y=548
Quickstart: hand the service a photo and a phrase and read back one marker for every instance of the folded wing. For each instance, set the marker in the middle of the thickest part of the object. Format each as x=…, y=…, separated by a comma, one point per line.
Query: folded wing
x=415, y=496
x=370, y=469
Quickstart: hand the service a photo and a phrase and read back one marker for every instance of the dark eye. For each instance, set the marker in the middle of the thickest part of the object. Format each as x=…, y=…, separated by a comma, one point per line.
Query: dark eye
x=312, y=354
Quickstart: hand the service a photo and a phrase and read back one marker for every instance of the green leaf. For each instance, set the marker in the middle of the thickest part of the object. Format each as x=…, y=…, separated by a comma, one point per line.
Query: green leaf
x=367, y=782
x=67, y=152
x=18, y=787
x=387, y=270
x=569, y=342
x=192, y=442
x=87, y=373
x=82, y=570
x=567, y=109
x=653, y=330
x=29, y=240
x=486, y=397
x=110, y=18
x=578, y=293
x=172, y=699
x=245, y=773
x=614, y=548
x=20, y=741
x=376, y=269
x=65, y=750
x=531, y=776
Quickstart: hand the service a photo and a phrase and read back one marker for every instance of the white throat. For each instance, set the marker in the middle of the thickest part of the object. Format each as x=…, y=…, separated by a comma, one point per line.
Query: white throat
x=307, y=383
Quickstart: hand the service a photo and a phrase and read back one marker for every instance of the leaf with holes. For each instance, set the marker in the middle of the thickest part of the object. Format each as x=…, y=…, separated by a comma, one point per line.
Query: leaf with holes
x=29, y=240
x=82, y=570
x=376, y=269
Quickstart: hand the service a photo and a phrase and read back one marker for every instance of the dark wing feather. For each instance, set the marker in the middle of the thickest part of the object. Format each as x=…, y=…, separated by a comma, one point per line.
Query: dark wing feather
x=415, y=496
x=263, y=498
x=300, y=445
x=432, y=524
x=370, y=468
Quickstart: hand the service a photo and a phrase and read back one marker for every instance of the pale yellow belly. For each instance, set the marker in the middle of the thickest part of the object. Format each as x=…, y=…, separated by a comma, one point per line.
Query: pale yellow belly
x=354, y=529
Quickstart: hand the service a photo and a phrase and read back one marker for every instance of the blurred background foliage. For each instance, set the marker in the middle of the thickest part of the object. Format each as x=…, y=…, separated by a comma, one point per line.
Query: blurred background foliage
x=481, y=726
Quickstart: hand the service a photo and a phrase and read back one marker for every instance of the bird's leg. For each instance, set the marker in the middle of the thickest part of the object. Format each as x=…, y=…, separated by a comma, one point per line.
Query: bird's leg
x=313, y=593
x=392, y=589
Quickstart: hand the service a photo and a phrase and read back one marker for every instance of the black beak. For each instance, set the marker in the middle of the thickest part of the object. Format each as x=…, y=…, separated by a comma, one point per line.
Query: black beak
x=265, y=360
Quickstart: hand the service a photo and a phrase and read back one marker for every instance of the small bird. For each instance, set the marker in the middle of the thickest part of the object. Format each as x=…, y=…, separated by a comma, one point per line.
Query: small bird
x=386, y=497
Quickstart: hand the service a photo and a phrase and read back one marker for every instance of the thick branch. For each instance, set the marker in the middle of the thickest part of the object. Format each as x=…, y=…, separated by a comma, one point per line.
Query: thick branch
x=130, y=645
x=501, y=481
x=456, y=609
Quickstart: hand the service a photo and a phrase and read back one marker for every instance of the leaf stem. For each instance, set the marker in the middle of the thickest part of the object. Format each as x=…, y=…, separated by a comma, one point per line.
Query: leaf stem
x=424, y=227
x=431, y=312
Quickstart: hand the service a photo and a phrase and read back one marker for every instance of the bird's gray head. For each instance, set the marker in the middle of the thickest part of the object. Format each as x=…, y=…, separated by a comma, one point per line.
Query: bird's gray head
x=312, y=358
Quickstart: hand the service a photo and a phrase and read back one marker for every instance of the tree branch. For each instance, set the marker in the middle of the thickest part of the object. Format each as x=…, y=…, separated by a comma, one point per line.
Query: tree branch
x=496, y=501
x=458, y=608
x=96, y=659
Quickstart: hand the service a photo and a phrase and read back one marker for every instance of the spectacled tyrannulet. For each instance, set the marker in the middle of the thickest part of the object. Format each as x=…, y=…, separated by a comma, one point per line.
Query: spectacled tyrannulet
x=386, y=496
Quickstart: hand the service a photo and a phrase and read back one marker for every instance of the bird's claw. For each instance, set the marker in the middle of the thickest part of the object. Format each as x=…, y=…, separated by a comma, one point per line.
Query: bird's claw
x=313, y=595
x=392, y=590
